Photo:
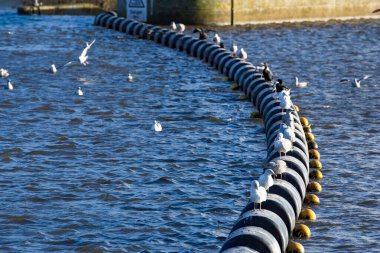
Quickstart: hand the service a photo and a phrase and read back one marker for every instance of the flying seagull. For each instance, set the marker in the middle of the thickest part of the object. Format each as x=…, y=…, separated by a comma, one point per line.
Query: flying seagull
x=355, y=82
x=83, y=56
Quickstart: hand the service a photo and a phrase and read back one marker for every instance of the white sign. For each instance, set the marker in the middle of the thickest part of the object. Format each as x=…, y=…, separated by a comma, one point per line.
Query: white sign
x=137, y=9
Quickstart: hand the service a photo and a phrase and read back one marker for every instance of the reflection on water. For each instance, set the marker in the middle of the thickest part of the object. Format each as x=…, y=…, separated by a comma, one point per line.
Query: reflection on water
x=88, y=173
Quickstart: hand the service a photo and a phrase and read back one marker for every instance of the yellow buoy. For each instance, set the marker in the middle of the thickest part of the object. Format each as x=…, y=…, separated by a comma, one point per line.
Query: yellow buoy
x=307, y=214
x=234, y=86
x=307, y=129
x=295, y=247
x=311, y=199
x=301, y=231
x=314, y=154
x=304, y=121
x=309, y=136
x=296, y=108
x=255, y=115
x=243, y=96
x=315, y=164
x=314, y=187
x=312, y=145
x=315, y=174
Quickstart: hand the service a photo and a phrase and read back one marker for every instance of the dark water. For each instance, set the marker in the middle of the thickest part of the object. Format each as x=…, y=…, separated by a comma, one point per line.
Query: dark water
x=88, y=174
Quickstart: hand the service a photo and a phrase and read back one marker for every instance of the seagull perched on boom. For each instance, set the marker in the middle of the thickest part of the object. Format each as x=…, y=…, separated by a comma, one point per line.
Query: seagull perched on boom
x=181, y=28
x=242, y=54
x=279, y=167
x=356, y=82
x=216, y=39
x=202, y=33
x=258, y=194
x=282, y=145
x=234, y=50
x=266, y=179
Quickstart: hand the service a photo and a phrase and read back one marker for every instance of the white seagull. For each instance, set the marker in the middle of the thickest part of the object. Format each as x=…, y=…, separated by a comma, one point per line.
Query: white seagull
x=288, y=132
x=279, y=167
x=242, y=54
x=157, y=126
x=282, y=145
x=300, y=84
x=258, y=194
x=288, y=119
x=4, y=73
x=54, y=69
x=79, y=91
x=130, y=77
x=173, y=26
x=83, y=57
x=285, y=102
x=234, y=49
x=9, y=85
x=356, y=82
x=266, y=179
x=216, y=39
x=181, y=28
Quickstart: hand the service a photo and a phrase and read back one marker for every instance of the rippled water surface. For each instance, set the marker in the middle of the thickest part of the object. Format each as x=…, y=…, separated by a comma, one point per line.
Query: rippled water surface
x=88, y=174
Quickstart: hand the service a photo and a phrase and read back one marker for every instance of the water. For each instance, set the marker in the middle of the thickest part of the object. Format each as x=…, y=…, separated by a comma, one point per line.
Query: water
x=88, y=174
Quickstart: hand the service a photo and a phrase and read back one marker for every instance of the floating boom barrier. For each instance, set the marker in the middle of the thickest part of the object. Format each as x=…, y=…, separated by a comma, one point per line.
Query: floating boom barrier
x=270, y=229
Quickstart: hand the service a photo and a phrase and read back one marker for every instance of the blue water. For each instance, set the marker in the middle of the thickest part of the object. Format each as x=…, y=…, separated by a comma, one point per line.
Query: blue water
x=88, y=174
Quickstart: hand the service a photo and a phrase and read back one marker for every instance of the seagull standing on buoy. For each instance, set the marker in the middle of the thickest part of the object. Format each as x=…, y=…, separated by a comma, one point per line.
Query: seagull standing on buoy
x=282, y=145
x=216, y=39
x=288, y=119
x=258, y=194
x=234, y=49
x=79, y=91
x=9, y=85
x=267, y=73
x=266, y=179
x=173, y=26
x=356, y=82
x=181, y=28
x=285, y=102
x=4, y=73
x=279, y=167
x=300, y=84
x=242, y=54
x=288, y=132
x=157, y=126
x=83, y=57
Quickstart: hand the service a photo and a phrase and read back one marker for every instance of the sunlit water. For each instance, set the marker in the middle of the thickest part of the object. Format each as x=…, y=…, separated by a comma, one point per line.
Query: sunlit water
x=89, y=173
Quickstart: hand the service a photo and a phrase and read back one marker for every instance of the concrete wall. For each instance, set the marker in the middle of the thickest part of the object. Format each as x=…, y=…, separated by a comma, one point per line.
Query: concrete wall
x=250, y=11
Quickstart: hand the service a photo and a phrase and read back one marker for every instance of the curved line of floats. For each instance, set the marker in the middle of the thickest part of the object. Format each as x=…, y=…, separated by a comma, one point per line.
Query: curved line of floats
x=270, y=229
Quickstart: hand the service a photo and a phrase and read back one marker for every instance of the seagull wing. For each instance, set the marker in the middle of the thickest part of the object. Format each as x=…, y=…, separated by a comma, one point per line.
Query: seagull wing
x=365, y=77
x=344, y=80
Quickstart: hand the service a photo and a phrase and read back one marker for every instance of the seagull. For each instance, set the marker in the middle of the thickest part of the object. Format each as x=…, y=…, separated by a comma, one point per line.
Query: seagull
x=202, y=33
x=300, y=84
x=258, y=194
x=157, y=126
x=266, y=179
x=130, y=77
x=234, y=49
x=216, y=39
x=356, y=82
x=4, y=73
x=181, y=28
x=9, y=85
x=173, y=26
x=288, y=119
x=285, y=102
x=278, y=167
x=54, y=69
x=79, y=91
x=288, y=132
x=282, y=145
x=242, y=54
x=267, y=73
x=83, y=57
